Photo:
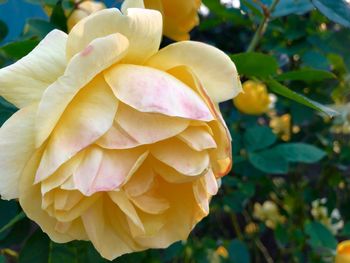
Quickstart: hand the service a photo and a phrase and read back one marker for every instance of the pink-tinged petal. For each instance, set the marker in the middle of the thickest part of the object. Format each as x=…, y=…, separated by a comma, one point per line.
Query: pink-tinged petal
x=140, y=182
x=123, y=202
x=24, y=82
x=148, y=128
x=143, y=28
x=17, y=144
x=101, y=233
x=201, y=196
x=197, y=138
x=100, y=54
x=30, y=199
x=182, y=158
x=211, y=183
x=117, y=138
x=106, y=170
x=88, y=117
x=151, y=90
x=214, y=68
x=150, y=203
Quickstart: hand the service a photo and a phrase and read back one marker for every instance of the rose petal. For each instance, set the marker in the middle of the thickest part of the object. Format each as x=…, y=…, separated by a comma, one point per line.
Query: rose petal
x=213, y=67
x=151, y=90
x=141, y=181
x=148, y=128
x=30, y=200
x=83, y=67
x=123, y=202
x=106, y=170
x=17, y=144
x=87, y=118
x=106, y=241
x=183, y=159
x=142, y=27
x=24, y=82
x=197, y=138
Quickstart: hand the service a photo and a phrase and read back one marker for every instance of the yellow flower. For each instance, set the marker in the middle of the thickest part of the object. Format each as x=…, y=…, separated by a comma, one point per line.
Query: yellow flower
x=83, y=10
x=281, y=125
x=116, y=141
x=180, y=16
x=222, y=251
x=268, y=213
x=343, y=252
x=255, y=99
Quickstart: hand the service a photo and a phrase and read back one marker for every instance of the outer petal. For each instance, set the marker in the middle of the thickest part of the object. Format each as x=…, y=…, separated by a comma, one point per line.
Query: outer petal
x=151, y=90
x=213, y=67
x=97, y=56
x=16, y=146
x=88, y=117
x=25, y=81
x=142, y=27
x=197, y=138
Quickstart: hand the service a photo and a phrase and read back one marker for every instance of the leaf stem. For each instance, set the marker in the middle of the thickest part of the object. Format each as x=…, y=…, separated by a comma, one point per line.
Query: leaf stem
x=14, y=220
x=263, y=25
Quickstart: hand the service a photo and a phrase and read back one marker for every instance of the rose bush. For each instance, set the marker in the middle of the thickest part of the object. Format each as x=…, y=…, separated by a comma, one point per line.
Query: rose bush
x=180, y=16
x=115, y=141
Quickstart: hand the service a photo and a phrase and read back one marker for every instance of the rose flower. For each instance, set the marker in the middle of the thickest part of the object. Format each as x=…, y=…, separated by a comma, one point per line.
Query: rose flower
x=116, y=141
x=179, y=17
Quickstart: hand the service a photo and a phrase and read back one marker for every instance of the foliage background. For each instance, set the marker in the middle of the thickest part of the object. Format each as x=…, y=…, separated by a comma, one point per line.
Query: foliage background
x=294, y=157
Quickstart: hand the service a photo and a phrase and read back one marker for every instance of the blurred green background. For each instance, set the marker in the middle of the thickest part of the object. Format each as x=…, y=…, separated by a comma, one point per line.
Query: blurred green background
x=287, y=197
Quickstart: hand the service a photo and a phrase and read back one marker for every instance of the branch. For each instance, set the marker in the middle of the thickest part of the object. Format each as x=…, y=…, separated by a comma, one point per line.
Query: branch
x=263, y=25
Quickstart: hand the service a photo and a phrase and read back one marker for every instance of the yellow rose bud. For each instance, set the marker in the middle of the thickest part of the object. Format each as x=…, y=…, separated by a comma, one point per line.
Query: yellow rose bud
x=83, y=10
x=222, y=251
x=255, y=99
x=180, y=16
x=343, y=252
x=116, y=141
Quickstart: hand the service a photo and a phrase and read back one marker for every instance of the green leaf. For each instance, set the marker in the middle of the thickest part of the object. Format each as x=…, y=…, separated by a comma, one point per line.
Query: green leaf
x=287, y=7
x=301, y=152
x=238, y=252
x=58, y=17
x=17, y=50
x=269, y=161
x=346, y=230
x=254, y=64
x=36, y=249
x=3, y=30
x=308, y=75
x=320, y=236
x=286, y=92
x=38, y=28
x=2, y=259
x=259, y=137
x=336, y=10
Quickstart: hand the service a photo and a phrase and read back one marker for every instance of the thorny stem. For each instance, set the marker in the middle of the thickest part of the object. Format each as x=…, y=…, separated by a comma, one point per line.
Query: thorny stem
x=264, y=251
x=263, y=25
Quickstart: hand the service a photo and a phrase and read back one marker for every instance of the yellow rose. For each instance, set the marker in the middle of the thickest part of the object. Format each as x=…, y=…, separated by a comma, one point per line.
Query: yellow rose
x=255, y=99
x=343, y=252
x=83, y=10
x=116, y=141
x=180, y=16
